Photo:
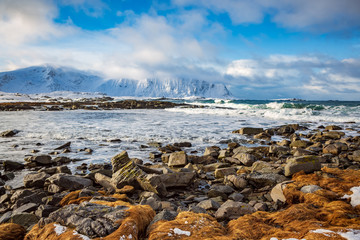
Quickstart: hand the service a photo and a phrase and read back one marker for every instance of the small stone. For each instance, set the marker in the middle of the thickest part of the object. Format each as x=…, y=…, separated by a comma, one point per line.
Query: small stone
x=222, y=172
x=260, y=207
x=237, y=181
x=209, y=204
x=310, y=188
x=245, y=158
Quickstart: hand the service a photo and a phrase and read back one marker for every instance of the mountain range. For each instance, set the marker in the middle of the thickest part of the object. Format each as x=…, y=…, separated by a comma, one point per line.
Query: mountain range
x=48, y=78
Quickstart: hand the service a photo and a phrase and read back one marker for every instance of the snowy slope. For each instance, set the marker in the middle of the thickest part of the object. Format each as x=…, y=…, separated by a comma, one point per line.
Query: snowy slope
x=47, y=78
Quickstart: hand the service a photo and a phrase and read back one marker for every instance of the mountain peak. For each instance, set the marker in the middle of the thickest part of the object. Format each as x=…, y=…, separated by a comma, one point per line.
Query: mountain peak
x=49, y=78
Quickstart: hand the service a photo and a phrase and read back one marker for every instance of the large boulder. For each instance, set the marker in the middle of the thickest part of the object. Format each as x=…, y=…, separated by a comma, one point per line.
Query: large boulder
x=177, y=179
x=233, y=210
x=39, y=160
x=308, y=164
x=65, y=181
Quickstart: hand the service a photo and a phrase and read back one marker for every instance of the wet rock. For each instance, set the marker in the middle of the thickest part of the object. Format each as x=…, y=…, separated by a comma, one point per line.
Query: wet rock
x=165, y=157
x=164, y=215
x=249, y=131
x=61, y=160
x=154, y=144
x=154, y=155
x=12, y=165
x=333, y=135
x=67, y=182
x=263, y=135
x=177, y=159
x=39, y=160
x=245, y=158
x=35, y=180
x=9, y=133
x=332, y=127
x=308, y=164
x=119, y=161
x=182, y=144
x=209, y=204
x=233, y=210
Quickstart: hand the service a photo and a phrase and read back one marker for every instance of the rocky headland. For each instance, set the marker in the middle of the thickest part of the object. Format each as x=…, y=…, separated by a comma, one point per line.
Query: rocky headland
x=305, y=186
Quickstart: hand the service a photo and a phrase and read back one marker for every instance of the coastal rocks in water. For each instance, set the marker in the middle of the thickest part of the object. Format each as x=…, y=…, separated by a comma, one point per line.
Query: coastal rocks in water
x=35, y=180
x=9, y=133
x=119, y=161
x=308, y=164
x=332, y=127
x=212, y=151
x=249, y=131
x=39, y=160
x=66, y=145
x=62, y=181
x=177, y=159
x=232, y=210
x=12, y=165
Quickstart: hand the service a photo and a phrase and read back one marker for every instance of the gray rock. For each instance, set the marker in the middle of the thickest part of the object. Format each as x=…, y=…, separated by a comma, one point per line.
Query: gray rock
x=92, y=220
x=308, y=164
x=222, y=188
x=28, y=207
x=177, y=179
x=24, y=219
x=68, y=182
x=245, y=158
x=177, y=159
x=119, y=161
x=152, y=202
x=260, y=207
x=310, y=188
x=237, y=181
x=34, y=197
x=41, y=159
x=237, y=197
x=209, y=204
x=260, y=180
x=197, y=209
x=61, y=160
x=263, y=167
x=5, y=217
x=104, y=181
x=279, y=150
x=20, y=194
x=44, y=211
x=233, y=210
x=35, y=180
x=66, y=145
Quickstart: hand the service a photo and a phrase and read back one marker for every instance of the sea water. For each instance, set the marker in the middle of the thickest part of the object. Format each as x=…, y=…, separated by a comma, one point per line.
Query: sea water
x=209, y=124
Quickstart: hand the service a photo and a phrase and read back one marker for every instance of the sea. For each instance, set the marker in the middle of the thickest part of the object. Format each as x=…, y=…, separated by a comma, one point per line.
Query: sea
x=209, y=124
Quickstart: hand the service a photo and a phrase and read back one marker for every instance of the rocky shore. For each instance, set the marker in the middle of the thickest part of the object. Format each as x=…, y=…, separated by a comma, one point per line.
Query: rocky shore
x=87, y=104
x=306, y=186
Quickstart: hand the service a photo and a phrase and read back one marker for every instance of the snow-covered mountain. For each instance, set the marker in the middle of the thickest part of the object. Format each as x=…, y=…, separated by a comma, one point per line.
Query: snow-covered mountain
x=171, y=88
x=47, y=78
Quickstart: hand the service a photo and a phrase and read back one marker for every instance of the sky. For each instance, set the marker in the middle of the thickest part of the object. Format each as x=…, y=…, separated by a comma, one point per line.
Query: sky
x=261, y=49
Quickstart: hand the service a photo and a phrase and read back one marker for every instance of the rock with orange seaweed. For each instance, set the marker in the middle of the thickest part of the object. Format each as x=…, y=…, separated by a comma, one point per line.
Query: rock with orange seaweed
x=187, y=225
x=12, y=231
x=127, y=223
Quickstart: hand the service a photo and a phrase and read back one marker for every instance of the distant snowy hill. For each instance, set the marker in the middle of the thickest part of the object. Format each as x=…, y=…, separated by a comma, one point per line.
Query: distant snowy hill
x=47, y=78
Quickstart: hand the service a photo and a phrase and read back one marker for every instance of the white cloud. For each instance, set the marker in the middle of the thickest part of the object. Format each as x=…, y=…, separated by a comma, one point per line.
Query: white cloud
x=309, y=15
x=309, y=77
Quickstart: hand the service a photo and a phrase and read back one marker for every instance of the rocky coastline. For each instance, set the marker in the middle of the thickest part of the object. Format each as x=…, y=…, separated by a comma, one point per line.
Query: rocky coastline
x=302, y=187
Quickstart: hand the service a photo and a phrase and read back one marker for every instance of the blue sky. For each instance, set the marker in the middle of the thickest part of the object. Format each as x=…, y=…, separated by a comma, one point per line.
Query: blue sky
x=261, y=49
